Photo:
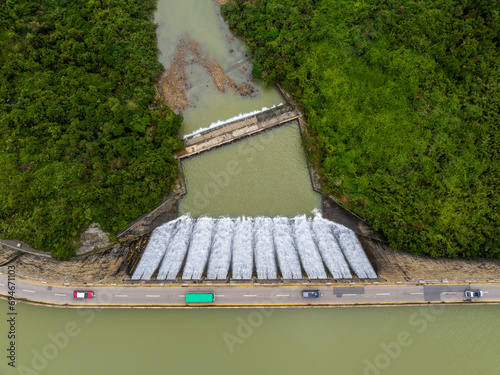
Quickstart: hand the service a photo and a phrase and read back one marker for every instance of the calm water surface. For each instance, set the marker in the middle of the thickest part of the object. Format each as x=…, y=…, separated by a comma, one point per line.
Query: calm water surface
x=261, y=175
x=390, y=340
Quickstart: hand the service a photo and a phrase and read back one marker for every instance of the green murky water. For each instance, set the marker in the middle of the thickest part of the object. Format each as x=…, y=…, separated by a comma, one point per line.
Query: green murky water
x=261, y=175
x=391, y=340
x=199, y=20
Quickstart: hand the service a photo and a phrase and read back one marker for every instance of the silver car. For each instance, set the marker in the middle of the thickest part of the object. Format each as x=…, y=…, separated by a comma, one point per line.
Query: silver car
x=473, y=293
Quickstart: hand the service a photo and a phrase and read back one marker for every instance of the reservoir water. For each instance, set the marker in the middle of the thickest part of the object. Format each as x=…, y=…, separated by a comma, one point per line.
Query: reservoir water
x=458, y=340
x=261, y=175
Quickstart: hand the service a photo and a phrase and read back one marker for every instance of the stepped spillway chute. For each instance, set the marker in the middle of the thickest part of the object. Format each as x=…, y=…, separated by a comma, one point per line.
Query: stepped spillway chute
x=176, y=250
x=155, y=251
x=329, y=249
x=265, y=261
x=199, y=249
x=353, y=252
x=242, y=261
x=220, y=258
x=308, y=252
x=286, y=250
x=235, y=247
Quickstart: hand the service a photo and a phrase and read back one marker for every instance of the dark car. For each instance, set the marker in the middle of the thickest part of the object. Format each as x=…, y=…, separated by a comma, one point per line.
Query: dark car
x=311, y=293
x=83, y=294
x=473, y=293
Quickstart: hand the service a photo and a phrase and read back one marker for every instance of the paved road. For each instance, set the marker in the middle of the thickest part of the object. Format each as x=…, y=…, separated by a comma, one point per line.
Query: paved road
x=250, y=295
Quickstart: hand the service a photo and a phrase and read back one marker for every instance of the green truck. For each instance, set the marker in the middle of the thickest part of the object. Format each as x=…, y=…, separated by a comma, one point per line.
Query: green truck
x=199, y=297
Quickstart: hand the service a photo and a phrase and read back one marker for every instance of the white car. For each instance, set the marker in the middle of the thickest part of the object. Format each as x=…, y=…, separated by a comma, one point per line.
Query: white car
x=473, y=293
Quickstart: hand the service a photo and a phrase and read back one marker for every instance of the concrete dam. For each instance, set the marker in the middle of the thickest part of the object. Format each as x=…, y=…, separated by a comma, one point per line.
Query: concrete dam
x=245, y=248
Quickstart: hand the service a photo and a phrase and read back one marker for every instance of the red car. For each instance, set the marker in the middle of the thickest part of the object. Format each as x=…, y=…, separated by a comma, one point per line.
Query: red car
x=81, y=294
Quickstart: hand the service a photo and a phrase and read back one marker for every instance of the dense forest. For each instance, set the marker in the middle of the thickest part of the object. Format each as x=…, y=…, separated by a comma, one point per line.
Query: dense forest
x=403, y=104
x=81, y=137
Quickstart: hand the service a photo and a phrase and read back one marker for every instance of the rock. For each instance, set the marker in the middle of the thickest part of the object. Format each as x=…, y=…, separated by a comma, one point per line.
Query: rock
x=93, y=238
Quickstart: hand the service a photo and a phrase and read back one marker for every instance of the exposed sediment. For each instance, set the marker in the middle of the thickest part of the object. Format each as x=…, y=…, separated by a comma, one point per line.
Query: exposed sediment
x=173, y=85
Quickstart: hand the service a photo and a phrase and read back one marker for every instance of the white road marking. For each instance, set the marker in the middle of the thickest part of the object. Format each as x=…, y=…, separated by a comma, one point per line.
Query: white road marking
x=152, y=295
x=60, y=295
x=250, y=295
x=417, y=293
x=181, y=295
x=383, y=294
x=449, y=292
x=2, y=284
x=220, y=295
x=29, y=291
x=121, y=295
x=282, y=295
x=349, y=294
x=485, y=292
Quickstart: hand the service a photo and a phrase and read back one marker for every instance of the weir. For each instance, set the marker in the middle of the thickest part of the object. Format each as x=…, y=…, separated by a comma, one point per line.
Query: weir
x=242, y=126
x=218, y=249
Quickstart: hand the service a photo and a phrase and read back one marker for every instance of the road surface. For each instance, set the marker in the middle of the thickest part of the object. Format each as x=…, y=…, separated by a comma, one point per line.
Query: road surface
x=245, y=295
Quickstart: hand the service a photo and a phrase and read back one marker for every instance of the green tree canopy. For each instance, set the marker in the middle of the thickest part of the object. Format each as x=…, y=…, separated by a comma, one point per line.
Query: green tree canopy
x=402, y=99
x=78, y=140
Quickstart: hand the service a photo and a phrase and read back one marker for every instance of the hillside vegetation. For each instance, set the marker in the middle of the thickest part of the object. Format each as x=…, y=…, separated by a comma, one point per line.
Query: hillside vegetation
x=403, y=102
x=78, y=143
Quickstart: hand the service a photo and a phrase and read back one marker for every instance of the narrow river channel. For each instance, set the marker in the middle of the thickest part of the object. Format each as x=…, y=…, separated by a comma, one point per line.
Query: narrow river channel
x=197, y=23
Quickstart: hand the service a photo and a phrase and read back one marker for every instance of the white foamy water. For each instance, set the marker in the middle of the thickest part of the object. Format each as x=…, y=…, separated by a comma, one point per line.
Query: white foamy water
x=156, y=249
x=239, y=246
x=242, y=262
x=308, y=252
x=220, y=123
x=199, y=249
x=176, y=251
x=220, y=259
x=330, y=249
x=353, y=251
x=264, y=249
x=285, y=249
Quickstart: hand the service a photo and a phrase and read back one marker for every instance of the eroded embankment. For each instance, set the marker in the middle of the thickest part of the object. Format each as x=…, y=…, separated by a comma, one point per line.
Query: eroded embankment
x=107, y=266
x=115, y=264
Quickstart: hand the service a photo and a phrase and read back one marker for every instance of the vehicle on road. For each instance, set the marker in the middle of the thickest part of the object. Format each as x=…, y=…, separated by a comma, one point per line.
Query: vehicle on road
x=199, y=297
x=473, y=293
x=311, y=293
x=80, y=294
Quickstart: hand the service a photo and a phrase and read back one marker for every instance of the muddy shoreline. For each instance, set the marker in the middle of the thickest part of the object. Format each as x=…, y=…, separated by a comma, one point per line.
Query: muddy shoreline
x=174, y=85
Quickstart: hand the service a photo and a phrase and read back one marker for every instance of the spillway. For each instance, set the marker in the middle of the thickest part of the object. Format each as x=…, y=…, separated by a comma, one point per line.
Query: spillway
x=244, y=248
